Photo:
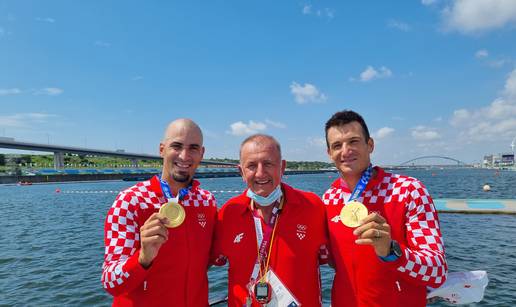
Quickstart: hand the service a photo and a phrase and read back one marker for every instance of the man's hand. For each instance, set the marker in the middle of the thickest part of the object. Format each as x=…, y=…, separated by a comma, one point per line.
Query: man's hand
x=152, y=235
x=375, y=231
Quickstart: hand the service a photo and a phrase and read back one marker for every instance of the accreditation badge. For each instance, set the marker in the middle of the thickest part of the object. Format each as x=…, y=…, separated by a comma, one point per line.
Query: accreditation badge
x=174, y=212
x=263, y=292
x=352, y=213
x=281, y=295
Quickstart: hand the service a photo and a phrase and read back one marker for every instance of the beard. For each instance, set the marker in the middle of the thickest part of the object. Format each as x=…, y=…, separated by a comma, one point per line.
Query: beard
x=181, y=177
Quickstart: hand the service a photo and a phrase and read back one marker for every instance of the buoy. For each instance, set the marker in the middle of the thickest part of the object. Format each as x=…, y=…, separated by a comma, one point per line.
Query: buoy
x=487, y=188
x=58, y=190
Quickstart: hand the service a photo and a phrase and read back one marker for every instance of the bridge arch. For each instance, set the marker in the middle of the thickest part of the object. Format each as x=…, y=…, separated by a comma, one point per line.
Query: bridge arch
x=459, y=162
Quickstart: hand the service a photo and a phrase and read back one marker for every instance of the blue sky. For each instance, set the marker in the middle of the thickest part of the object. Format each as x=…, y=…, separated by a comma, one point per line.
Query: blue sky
x=431, y=77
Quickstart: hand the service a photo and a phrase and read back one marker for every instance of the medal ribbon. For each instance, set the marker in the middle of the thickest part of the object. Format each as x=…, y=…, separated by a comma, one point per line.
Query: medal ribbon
x=362, y=183
x=168, y=193
x=264, y=240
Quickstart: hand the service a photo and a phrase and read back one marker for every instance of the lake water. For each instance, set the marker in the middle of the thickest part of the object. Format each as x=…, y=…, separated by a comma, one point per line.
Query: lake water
x=52, y=243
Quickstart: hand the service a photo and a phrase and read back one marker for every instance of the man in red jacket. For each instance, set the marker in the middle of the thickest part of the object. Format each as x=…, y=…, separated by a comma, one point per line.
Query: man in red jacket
x=271, y=234
x=384, y=231
x=158, y=233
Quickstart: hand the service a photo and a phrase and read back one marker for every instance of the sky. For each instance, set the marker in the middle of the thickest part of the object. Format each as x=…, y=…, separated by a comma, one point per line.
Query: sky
x=430, y=77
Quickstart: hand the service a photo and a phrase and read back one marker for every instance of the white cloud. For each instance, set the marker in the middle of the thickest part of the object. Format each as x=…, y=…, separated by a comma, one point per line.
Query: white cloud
x=473, y=16
x=510, y=86
x=399, y=25
x=307, y=9
x=240, y=128
x=51, y=91
x=460, y=116
x=370, y=73
x=24, y=120
x=428, y=2
x=46, y=19
x=482, y=53
x=494, y=121
x=500, y=62
x=306, y=93
x=383, y=133
x=102, y=44
x=317, y=142
x=422, y=133
x=276, y=124
x=137, y=78
x=9, y=91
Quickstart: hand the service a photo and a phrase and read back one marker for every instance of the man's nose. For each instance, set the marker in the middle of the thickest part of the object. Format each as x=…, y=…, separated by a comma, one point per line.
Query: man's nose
x=183, y=153
x=260, y=171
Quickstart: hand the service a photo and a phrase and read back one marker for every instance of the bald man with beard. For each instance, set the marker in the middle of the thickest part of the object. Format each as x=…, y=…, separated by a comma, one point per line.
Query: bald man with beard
x=148, y=259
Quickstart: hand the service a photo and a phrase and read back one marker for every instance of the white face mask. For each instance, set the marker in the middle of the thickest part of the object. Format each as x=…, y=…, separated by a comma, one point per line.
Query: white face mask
x=266, y=201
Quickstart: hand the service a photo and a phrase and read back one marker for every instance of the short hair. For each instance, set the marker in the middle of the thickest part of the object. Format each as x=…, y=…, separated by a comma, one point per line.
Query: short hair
x=258, y=138
x=345, y=117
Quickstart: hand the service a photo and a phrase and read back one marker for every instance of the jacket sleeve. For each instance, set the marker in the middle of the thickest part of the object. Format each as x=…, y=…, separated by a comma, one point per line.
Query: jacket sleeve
x=217, y=256
x=121, y=271
x=423, y=259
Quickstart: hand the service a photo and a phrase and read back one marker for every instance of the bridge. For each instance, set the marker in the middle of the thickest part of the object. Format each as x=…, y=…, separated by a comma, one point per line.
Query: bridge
x=59, y=152
x=459, y=162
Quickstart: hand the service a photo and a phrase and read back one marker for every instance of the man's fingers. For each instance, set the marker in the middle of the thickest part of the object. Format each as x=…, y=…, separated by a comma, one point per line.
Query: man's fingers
x=373, y=217
x=155, y=230
x=153, y=221
x=155, y=239
x=371, y=236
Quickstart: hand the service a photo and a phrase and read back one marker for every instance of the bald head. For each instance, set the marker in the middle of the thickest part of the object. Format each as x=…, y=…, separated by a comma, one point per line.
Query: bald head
x=182, y=151
x=182, y=126
x=261, y=140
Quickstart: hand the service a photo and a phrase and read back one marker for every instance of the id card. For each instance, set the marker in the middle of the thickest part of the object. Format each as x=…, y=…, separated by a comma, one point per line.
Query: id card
x=281, y=296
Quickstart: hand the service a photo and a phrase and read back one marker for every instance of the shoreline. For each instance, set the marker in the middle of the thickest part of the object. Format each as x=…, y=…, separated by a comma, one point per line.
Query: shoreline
x=65, y=178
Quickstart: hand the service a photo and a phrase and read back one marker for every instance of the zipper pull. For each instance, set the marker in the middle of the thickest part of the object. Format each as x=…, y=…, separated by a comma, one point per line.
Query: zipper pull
x=398, y=285
x=144, y=285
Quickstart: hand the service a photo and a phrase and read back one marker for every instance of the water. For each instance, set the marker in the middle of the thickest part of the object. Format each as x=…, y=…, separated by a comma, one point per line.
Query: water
x=52, y=243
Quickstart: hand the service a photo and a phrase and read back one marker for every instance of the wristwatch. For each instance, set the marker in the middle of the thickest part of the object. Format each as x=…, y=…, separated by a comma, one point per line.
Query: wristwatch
x=395, y=252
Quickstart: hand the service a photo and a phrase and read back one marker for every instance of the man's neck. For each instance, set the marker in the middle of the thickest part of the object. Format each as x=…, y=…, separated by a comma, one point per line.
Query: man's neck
x=175, y=186
x=352, y=180
x=265, y=211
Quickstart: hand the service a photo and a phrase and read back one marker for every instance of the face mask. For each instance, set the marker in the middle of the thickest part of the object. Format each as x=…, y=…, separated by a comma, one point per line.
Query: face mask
x=265, y=201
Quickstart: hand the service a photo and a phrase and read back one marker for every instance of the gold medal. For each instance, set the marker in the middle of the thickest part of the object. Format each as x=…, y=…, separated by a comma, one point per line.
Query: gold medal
x=174, y=212
x=352, y=213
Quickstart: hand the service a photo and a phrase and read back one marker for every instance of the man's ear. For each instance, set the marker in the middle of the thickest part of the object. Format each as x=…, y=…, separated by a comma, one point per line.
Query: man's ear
x=161, y=149
x=370, y=145
x=241, y=172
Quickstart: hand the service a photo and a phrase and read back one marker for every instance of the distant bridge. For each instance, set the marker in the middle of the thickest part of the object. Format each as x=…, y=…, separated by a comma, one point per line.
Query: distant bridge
x=59, y=152
x=459, y=162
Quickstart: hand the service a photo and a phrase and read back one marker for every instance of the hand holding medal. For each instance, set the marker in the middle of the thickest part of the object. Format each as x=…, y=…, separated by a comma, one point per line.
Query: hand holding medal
x=174, y=212
x=352, y=213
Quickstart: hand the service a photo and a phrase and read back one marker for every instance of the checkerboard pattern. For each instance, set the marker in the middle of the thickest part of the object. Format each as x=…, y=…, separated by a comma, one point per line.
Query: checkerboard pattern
x=122, y=231
x=424, y=255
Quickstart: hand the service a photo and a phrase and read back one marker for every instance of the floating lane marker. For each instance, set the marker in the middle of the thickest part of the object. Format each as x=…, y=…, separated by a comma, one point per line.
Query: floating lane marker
x=507, y=206
x=90, y=192
x=116, y=192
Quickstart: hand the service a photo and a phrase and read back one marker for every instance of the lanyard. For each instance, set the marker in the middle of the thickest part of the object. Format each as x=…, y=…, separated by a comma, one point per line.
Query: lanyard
x=362, y=183
x=168, y=194
x=264, y=240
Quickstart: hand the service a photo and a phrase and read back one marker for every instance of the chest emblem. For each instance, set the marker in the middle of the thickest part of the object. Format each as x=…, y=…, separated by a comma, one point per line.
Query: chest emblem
x=238, y=238
x=301, y=231
x=201, y=218
x=336, y=218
